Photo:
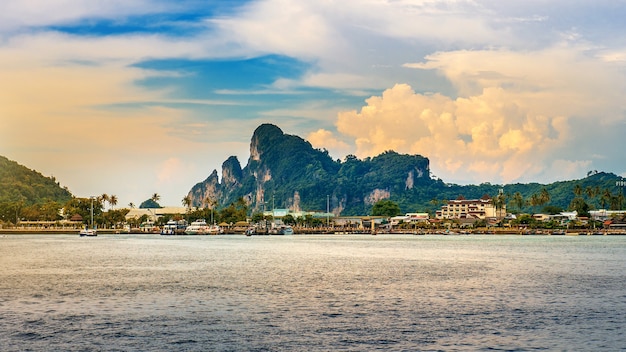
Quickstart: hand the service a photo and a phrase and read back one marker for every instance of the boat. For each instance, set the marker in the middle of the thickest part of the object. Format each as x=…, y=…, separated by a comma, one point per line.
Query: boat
x=282, y=230
x=174, y=227
x=89, y=232
x=250, y=231
x=200, y=227
x=169, y=228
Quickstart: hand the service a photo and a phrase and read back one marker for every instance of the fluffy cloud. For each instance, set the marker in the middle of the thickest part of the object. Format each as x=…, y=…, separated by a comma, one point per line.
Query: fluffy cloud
x=514, y=114
x=486, y=137
x=325, y=139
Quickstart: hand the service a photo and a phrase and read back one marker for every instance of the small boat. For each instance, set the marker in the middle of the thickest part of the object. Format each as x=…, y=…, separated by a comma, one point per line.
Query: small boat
x=282, y=230
x=88, y=232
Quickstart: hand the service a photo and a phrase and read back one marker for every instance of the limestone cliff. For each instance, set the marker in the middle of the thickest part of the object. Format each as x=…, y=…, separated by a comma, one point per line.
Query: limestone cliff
x=285, y=171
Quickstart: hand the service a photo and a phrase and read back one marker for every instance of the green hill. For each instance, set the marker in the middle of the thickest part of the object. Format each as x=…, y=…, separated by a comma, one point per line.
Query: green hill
x=21, y=184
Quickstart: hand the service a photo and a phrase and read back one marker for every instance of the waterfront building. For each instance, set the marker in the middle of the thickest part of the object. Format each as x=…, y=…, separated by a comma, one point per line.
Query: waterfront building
x=153, y=214
x=462, y=208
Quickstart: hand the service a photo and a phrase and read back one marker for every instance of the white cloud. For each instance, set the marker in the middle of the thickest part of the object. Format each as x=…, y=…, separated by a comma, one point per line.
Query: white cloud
x=38, y=13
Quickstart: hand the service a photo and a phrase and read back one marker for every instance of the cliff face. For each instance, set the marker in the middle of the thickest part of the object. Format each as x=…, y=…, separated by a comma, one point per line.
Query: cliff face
x=285, y=171
x=204, y=193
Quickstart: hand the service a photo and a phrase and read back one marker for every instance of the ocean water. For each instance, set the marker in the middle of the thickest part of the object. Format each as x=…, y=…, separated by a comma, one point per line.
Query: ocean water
x=312, y=293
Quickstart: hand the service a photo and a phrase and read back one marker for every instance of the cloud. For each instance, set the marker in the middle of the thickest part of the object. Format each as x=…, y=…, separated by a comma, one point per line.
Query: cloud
x=568, y=74
x=325, y=139
x=39, y=13
x=496, y=135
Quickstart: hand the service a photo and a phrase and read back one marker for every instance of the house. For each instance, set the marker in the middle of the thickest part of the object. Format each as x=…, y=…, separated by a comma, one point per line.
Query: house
x=412, y=218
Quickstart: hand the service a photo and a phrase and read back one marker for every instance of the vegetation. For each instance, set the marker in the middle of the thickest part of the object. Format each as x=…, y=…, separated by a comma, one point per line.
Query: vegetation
x=386, y=208
x=19, y=184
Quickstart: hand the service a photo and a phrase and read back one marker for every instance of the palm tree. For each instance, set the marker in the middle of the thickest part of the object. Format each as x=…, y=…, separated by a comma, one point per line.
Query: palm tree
x=518, y=201
x=544, y=196
x=131, y=205
x=498, y=202
x=590, y=192
x=210, y=203
x=534, y=200
x=605, y=198
x=186, y=202
x=578, y=190
x=113, y=200
x=155, y=197
x=104, y=198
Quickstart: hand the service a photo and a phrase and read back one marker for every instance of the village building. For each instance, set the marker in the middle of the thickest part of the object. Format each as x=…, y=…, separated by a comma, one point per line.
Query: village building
x=471, y=209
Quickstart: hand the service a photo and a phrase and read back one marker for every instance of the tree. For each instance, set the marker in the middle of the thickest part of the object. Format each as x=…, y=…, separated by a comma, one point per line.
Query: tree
x=113, y=200
x=498, y=202
x=385, y=207
x=186, y=202
x=534, y=200
x=518, y=201
x=580, y=206
x=605, y=198
x=257, y=217
x=210, y=204
x=104, y=198
x=544, y=197
x=155, y=197
x=578, y=190
x=131, y=205
x=235, y=211
x=289, y=220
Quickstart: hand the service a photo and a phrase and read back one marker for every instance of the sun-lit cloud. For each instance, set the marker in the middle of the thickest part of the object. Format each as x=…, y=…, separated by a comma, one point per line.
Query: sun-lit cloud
x=514, y=112
x=493, y=136
x=325, y=139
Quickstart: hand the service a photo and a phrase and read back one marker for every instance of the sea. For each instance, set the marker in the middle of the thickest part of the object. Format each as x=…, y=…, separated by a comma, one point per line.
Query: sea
x=312, y=293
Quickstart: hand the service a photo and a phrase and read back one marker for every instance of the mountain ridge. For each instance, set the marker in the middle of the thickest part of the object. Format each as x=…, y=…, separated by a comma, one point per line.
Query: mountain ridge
x=285, y=171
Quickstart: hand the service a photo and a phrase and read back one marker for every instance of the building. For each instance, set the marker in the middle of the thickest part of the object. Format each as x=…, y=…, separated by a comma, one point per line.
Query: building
x=153, y=214
x=412, y=218
x=461, y=208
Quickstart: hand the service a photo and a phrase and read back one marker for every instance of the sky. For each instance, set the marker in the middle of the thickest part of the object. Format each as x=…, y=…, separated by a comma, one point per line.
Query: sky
x=136, y=97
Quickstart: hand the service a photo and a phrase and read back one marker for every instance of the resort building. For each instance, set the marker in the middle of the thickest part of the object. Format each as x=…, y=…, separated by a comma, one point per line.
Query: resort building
x=412, y=218
x=461, y=208
x=153, y=214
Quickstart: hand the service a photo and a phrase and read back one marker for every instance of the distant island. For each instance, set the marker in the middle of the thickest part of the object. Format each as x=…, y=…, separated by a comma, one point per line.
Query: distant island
x=285, y=172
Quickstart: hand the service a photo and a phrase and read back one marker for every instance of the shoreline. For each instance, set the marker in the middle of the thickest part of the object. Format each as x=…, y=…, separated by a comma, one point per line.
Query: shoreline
x=338, y=232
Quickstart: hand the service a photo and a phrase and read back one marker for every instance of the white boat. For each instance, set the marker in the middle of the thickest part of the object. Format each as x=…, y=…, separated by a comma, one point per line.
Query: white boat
x=169, y=228
x=88, y=232
x=282, y=230
x=200, y=227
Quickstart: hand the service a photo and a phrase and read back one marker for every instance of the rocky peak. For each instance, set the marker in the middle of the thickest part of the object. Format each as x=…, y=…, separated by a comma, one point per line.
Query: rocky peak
x=263, y=136
x=231, y=172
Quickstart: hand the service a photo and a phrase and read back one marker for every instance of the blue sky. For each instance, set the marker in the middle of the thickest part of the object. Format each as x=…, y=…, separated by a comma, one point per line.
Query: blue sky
x=150, y=96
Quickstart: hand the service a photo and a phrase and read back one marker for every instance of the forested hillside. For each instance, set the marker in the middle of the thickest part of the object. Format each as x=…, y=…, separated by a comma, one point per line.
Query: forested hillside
x=21, y=184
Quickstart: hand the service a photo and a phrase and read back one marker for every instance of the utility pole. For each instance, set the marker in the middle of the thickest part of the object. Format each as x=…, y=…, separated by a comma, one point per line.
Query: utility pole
x=327, y=210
